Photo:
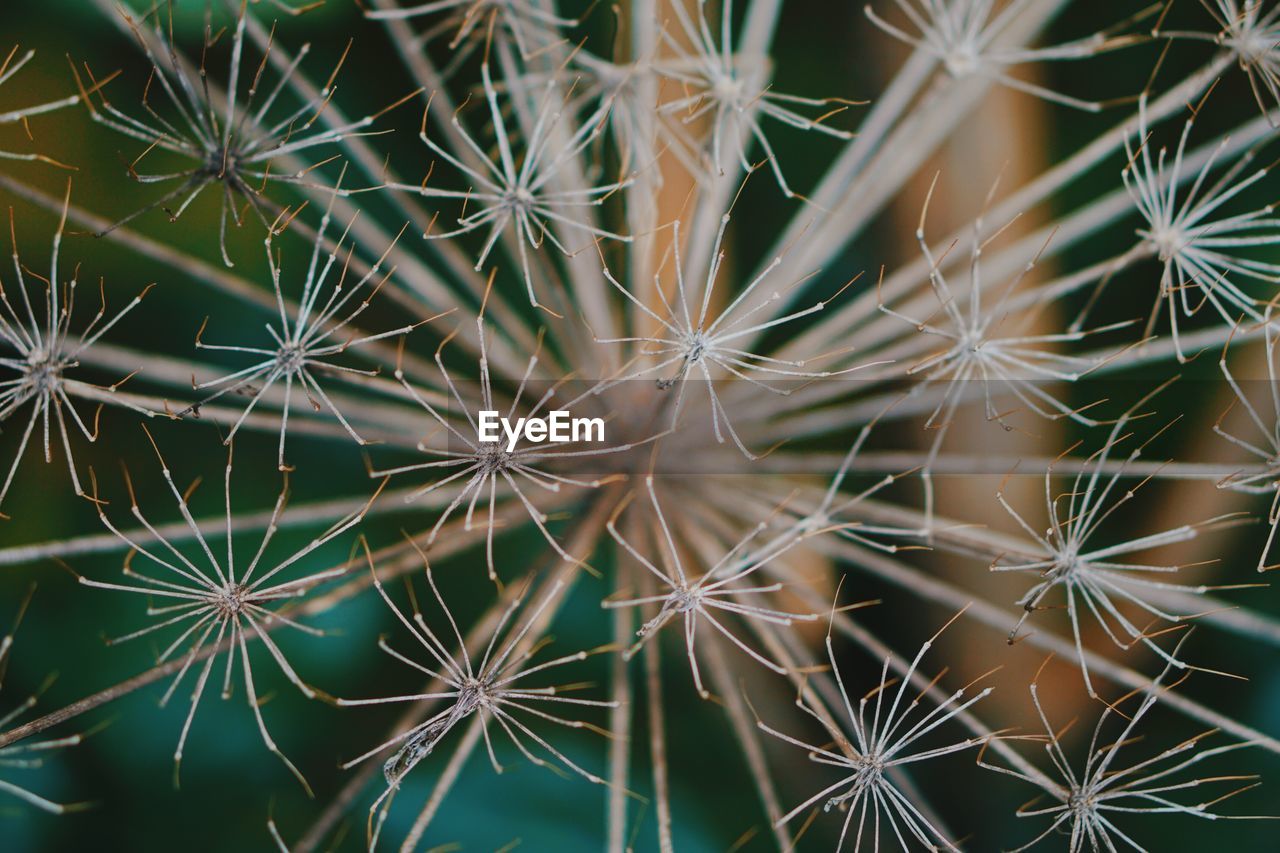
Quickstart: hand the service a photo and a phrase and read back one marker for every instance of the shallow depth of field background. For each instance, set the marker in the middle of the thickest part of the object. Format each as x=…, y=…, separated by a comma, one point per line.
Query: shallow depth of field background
x=230, y=784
